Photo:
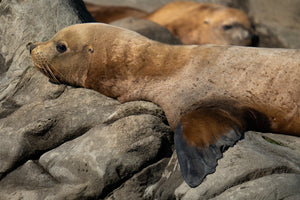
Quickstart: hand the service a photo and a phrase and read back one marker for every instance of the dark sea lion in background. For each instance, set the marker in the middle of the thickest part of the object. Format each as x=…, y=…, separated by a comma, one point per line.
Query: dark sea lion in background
x=107, y=14
x=203, y=23
x=210, y=94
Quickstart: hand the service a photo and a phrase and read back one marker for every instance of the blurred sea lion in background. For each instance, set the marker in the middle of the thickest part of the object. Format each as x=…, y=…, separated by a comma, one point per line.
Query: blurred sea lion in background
x=107, y=14
x=190, y=22
x=197, y=23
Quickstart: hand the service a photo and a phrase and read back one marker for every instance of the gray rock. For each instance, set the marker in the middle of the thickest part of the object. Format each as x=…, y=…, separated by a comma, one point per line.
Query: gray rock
x=60, y=142
x=134, y=188
x=253, y=162
x=41, y=126
x=275, y=186
x=107, y=155
x=37, y=116
x=280, y=19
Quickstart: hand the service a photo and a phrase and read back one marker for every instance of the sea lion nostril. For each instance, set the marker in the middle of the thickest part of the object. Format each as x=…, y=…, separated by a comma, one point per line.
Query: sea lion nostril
x=255, y=40
x=30, y=46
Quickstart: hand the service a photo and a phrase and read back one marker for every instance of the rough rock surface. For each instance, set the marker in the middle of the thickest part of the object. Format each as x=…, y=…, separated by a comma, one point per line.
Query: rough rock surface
x=60, y=142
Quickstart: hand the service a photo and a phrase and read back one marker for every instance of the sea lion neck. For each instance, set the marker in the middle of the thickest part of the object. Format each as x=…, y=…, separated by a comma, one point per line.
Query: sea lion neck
x=129, y=65
x=143, y=69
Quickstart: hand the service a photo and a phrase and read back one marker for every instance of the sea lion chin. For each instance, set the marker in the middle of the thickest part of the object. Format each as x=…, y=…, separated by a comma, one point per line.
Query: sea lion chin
x=211, y=94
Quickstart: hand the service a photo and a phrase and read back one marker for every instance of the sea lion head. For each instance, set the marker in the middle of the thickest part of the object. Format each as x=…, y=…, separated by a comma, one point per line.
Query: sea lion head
x=227, y=26
x=65, y=57
x=91, y=55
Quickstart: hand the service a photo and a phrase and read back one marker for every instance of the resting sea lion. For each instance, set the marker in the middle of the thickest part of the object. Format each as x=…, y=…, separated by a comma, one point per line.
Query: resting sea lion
x=202, y=23
x=107, y=14
x=210, y=94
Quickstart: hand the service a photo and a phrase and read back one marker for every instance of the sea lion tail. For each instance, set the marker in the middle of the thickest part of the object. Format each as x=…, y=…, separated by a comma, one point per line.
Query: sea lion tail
x=197, y=154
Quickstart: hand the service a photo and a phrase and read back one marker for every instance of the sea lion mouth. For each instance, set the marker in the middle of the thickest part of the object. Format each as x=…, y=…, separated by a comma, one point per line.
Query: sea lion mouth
x=47, y=70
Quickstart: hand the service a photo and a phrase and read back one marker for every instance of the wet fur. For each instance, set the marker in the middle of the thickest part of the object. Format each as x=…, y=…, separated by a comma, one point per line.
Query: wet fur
x=107, y=14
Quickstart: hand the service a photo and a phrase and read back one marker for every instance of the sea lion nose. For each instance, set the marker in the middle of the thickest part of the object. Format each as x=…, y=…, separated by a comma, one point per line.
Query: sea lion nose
x=255, y=40
x=30, y=46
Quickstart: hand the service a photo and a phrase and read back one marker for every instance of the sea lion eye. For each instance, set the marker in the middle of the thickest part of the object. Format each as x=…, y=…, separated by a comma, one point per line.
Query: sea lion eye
x=227, y=27
x=61, y=48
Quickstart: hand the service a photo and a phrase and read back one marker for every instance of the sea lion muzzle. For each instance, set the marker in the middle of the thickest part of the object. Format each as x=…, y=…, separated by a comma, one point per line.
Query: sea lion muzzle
x=30, y=46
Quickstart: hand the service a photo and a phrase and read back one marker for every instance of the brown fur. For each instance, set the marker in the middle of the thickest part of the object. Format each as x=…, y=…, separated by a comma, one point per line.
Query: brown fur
x=253, y=88
x=107, y=14
x=212, y=123
x=197, y=23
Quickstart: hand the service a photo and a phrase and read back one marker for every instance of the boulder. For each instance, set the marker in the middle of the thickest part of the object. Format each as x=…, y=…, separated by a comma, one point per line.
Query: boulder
x=39, y=119
x=255, y=168
x=61, y=142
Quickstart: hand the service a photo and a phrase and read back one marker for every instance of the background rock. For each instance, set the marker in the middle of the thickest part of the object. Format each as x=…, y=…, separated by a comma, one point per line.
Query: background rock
x=60, y=142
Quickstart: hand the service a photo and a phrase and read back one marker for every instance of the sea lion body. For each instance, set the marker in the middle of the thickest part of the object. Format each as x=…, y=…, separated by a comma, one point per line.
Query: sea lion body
x=214, y=89
x=107, y=14
x=203, y=23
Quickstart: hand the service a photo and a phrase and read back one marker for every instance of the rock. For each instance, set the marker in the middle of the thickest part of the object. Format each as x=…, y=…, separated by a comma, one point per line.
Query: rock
x=107, y=155
x=275, y=186
x=257, y=160
x=61, y=142
x=134, y=188
x=280, y=19
x=38, y=118
x=42, y=126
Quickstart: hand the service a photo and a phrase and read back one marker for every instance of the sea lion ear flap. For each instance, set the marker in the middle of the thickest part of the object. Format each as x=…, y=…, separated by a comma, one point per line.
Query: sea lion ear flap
x=200, y=139
x=90, y=49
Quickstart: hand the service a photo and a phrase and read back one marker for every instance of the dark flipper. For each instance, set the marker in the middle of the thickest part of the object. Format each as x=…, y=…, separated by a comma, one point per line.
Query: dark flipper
x=200, y=159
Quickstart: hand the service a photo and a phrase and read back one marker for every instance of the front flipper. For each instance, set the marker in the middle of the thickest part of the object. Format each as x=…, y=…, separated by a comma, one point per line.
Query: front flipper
x=200, y=139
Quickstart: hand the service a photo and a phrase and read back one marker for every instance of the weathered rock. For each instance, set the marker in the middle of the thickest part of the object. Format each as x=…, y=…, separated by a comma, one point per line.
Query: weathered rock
x=275, y=186
x=280, y=19
x=134, y=188
x=41, y=126
x=107, y=155
x=60, y=142
x=37, y=116
x=254, y=161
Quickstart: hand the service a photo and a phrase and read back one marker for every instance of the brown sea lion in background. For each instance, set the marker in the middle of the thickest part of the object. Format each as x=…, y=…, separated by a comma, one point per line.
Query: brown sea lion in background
x=197, y=23
x=107, y=14
x=210, y=94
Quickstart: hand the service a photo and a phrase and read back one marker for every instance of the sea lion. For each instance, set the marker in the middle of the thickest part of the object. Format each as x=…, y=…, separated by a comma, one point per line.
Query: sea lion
x=107, y=14
x=210, y=94
x=202, y=23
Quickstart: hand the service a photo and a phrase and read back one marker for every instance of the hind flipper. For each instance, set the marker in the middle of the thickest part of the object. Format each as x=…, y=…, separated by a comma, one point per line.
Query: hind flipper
x=200, y=139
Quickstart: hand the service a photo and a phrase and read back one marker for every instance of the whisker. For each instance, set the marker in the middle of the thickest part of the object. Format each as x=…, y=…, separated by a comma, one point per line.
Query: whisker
x=51, y=73
x=53, y=69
